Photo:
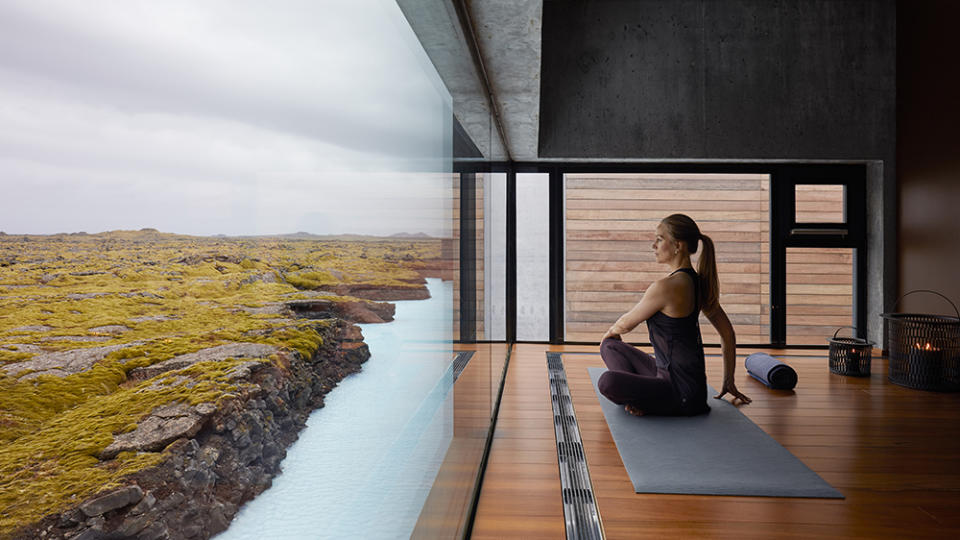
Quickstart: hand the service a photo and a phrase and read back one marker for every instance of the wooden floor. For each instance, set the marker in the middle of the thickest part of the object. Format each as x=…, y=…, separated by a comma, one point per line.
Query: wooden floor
x=892, y=451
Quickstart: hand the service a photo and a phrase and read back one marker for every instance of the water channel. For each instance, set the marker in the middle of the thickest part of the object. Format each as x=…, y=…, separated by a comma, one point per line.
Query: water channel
x=365, y=463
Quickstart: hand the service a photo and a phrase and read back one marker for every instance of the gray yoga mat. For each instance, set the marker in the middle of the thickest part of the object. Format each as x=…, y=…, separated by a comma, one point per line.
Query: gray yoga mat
x=721, y=453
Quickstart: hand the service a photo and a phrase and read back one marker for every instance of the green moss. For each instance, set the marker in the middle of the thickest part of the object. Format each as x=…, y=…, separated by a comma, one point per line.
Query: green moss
x=311, y=280
x=305, y=340
x=7, y=356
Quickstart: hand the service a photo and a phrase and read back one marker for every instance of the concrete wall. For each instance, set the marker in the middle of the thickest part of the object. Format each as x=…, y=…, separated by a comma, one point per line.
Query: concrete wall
x=788, y=80
x=713, y=79
x=928, y=154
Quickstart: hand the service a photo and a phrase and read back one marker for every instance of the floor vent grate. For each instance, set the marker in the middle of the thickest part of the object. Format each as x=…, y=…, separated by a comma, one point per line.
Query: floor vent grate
x=460, y=363
x=579, y=508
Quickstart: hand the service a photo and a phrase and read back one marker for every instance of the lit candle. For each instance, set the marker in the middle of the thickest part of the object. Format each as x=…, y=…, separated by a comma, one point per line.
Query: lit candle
x=854, y=367
x=926, y=364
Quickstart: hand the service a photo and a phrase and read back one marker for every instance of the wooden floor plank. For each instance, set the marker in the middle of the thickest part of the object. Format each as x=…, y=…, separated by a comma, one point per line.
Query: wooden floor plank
x=894, y=453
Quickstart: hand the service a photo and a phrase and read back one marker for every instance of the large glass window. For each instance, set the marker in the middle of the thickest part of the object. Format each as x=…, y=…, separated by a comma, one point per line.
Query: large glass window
x=495, y=256
x=533, y=257
x=610, y=226
x=237, y=219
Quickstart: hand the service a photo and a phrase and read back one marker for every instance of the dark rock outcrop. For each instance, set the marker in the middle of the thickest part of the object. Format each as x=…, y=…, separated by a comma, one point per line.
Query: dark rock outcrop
x=220, y=456
x=378, y=292
x=164, y=425
x=112, y=501
x=355, y=311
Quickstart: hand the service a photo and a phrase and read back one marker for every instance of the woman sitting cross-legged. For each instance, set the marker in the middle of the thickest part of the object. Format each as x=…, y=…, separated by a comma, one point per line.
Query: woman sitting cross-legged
x=675, y=382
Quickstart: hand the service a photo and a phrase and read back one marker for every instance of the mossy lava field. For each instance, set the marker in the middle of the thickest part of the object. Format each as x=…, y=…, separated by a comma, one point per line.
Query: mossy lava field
x=81, y=315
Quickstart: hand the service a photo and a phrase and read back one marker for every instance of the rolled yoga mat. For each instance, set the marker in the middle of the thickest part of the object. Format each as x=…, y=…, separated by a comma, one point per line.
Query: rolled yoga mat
x=720, y=453
x=770, y=371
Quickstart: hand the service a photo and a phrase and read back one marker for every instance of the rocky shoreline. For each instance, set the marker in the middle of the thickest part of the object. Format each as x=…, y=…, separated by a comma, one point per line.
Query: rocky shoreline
x=218, y=456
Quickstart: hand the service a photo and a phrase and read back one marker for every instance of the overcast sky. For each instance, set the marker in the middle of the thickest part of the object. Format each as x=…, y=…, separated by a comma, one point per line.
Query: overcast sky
x=209, y=117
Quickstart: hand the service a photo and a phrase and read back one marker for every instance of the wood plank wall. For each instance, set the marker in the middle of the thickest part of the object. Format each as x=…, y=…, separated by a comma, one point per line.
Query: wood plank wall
x=819, y=203
x=610, y=227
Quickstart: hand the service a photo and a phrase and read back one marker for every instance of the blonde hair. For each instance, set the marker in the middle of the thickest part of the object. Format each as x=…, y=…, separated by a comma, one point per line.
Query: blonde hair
x=684, y=229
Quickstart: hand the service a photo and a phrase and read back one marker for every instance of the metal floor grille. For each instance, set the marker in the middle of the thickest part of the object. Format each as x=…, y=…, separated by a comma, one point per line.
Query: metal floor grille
x=460, y=363
x=579, y=508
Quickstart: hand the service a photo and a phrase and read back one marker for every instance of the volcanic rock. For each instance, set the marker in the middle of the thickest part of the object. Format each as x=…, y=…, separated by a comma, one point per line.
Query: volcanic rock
x=164, y=425
x=63, y=363
x=359, y=311
x=111, y=501
x=109, y=329
x=379, y=292
x=220, y=352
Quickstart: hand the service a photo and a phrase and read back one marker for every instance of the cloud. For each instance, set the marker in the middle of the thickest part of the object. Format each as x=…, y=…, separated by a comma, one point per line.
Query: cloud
x=221, y=117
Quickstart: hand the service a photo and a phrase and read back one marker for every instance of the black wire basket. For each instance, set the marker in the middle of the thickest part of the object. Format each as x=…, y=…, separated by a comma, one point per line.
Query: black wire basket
x=924, y=350
x=850, y=355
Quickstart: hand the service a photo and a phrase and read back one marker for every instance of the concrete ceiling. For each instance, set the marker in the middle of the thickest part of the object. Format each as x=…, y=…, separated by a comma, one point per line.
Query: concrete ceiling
x=507, y=36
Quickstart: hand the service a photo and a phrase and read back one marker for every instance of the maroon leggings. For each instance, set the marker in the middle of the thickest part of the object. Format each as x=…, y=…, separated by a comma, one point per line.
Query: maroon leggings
x=633, y=378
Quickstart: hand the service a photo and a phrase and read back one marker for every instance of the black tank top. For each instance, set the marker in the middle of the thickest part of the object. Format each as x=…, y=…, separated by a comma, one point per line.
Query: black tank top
x=678, y=347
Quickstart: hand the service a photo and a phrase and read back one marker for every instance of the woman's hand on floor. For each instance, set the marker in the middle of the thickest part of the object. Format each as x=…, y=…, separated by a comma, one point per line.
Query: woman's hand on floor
x=730, y=388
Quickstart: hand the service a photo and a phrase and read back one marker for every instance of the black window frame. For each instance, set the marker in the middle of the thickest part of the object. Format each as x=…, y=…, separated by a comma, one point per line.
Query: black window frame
x=785, y=232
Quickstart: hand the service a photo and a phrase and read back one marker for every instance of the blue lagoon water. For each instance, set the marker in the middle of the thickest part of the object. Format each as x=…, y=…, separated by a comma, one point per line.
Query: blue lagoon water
x=365, y=463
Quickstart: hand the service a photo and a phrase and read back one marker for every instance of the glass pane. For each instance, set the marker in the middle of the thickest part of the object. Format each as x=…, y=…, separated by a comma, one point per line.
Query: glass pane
x=820, y=203
x=533, y=257
x=819, y=294
x=468, y=315
x=495, y=256
x=263, y=194
x=610, y=225
x=487, y=317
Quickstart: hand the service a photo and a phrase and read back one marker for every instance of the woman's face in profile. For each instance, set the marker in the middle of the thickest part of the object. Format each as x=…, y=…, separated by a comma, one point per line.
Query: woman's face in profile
x=664, y=248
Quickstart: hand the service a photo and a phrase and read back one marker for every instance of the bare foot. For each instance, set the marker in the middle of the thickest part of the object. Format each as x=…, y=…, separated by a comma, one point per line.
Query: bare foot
x=633, y=410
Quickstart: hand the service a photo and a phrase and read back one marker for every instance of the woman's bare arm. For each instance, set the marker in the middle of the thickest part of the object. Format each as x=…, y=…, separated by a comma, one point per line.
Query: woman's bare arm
x=728, y=343
x=653, y=301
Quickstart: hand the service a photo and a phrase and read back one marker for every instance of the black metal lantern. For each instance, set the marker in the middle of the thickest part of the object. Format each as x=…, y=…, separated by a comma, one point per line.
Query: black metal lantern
x=850, y=355
x=924, y=350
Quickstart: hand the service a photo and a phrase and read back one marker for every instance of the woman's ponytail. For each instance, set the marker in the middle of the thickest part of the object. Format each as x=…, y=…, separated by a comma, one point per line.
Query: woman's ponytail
x=684, y=229
x=707, y=270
